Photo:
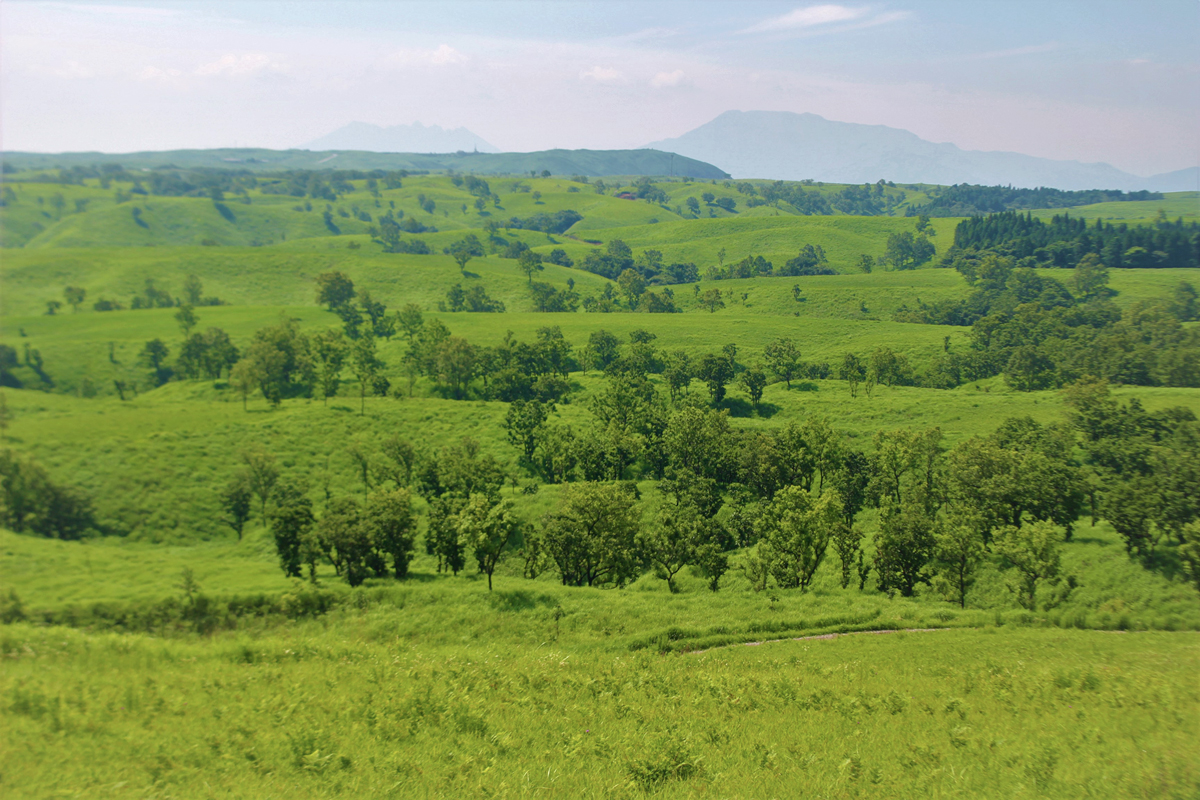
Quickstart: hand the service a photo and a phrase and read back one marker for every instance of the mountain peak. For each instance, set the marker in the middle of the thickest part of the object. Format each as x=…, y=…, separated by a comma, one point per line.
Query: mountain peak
x=784, y=145
x=414, y=138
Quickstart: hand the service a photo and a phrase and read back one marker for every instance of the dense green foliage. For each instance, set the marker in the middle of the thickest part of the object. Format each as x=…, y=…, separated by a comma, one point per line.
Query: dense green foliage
x=967, y=200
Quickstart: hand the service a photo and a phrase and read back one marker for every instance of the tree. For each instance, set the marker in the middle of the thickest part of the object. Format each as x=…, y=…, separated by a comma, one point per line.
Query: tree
x=903, y=546
x=186, y=317
x=455, y=364
x=291, y=523
x=529, y=262
x=591, y=536
x=847, y=541
x=678, y=538
x=958, y=549
x=1189, y=552
x=464, y=250
x=1090, y=277
x=633, y=286
x=693, y=205
x=74, y=295
x=1033, y=551
x=193, y=290
x=851, y=371
x=242, y=379
x=334, y=290
x=329, y=352
x=154, y=355
x=236, y=499
x=399, y=460
x=263, y=474
x=391, y=527
x=410, y=320
x=489, y=527
x=716, y=371
x=754, y=382
x=798, y=528
x=524, y=422
x=783, y=358
x=52, y=307
x=866, y=263
x=344, y=539
x=366, y=366
x=711, y=300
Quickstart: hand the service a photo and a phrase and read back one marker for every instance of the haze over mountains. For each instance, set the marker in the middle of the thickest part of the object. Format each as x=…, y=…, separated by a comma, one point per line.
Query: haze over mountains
x=414, y=138
x=787, y=146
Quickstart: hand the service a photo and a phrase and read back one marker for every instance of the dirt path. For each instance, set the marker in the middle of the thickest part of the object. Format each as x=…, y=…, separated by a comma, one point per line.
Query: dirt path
x=821, y=636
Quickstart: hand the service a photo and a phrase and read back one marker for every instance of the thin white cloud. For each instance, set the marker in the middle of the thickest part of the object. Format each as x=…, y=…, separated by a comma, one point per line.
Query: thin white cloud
x=826, y=18
x=116, y=11
x=808, y=17
x=601, y=74
x=157, y=74
x=1015, y=51
x=235, y=66
x=440, y=56
x=665, y=79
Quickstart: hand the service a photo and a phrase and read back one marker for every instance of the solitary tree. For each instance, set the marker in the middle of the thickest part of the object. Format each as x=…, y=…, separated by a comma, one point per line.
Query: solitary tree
x=711, y=300
x=236, y=498
x=852, y=372
x=263, y=474
x=74, y=295
x=334, y=290
x=783, y=358
x=367, y=367
x=754, y=382
x=186, y=317
x=465, y=249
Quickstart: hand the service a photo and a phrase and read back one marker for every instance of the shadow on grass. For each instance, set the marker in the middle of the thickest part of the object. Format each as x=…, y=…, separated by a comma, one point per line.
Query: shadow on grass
x=520, y=600
x=738, y=407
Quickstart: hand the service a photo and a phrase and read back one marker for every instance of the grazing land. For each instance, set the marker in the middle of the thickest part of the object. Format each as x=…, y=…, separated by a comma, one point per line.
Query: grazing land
x=392, y=483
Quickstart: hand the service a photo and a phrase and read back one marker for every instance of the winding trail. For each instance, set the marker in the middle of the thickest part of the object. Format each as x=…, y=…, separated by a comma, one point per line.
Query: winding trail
x=821, y=636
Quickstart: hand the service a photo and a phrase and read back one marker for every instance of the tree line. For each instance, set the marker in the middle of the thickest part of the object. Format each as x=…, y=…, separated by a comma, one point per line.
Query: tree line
x=969, y=200
x=788, y=498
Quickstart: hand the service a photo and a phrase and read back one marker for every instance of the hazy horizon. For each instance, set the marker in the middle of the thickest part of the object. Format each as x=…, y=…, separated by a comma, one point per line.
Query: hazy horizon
x=1093, y=82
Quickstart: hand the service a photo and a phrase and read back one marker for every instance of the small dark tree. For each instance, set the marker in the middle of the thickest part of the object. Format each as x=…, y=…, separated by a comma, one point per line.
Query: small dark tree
x=754, y=381
x=524, y=422
x=334, y=290
x=464, y=250
x=236, y=499
x=291, y=523
x=263, y=474
x=74, y=295
x=391, y=527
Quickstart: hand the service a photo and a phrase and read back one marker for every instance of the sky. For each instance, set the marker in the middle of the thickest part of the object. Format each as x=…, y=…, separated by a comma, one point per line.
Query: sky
x=1117, y=82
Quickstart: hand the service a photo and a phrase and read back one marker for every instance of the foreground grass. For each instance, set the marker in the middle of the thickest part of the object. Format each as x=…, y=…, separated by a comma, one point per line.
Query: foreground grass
x=349, y=710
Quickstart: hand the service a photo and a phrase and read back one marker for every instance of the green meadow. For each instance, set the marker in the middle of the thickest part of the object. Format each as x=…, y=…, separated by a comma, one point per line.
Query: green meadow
x=162, y=655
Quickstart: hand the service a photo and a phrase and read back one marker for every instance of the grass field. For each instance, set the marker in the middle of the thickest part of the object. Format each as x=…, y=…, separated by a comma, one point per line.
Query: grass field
x=121, y=679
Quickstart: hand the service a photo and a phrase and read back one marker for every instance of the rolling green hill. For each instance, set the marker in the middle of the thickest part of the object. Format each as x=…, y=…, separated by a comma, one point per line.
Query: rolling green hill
x=599, y=163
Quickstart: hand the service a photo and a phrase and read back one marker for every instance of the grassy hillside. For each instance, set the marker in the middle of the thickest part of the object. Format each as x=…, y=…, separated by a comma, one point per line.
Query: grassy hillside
x=1173, y=204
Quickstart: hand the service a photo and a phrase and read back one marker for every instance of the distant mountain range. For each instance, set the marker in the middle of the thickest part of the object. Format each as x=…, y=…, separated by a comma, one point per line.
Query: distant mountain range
x=593, y=163
x=785, y=146
x=415, y=138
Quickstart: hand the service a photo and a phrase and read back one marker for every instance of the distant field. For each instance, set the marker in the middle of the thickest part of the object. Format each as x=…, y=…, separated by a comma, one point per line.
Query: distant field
x=1175, y=204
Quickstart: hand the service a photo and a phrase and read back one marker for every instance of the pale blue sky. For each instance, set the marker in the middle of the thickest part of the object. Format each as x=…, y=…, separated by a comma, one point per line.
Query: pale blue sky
x=1094, y=81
